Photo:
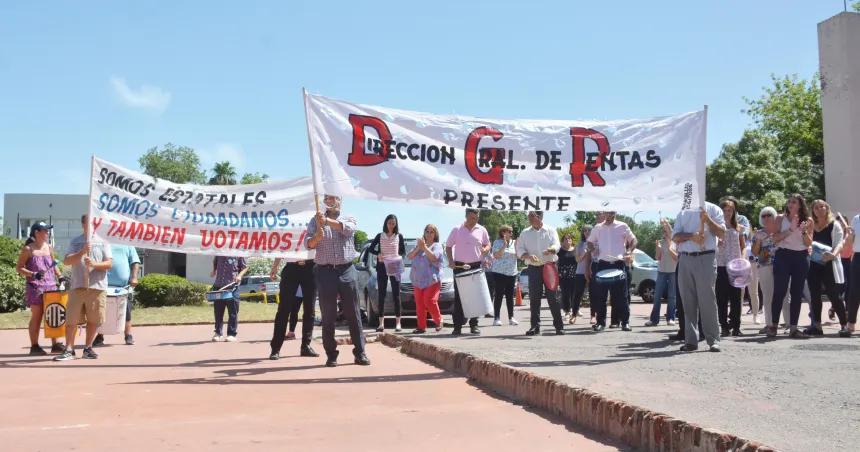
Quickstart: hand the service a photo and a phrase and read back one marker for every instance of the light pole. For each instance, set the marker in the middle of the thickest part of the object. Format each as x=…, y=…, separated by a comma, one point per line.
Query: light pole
x=637, y=213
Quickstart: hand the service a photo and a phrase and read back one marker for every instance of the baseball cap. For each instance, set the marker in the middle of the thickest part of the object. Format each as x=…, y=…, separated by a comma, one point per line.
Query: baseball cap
x=40, y=226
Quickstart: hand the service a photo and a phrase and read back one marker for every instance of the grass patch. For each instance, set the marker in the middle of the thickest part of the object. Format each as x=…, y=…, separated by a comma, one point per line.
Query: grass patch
x=167, y=315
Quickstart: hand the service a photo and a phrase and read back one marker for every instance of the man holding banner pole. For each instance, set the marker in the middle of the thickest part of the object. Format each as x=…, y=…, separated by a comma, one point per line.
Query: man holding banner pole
x=465, y=248
x=331, y=235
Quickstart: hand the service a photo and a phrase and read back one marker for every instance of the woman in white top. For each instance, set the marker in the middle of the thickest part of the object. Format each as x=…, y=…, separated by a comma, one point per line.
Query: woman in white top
x=791, y=262
x=504, y=273
x=828, y=273
x=729, y=249
x=387, y=244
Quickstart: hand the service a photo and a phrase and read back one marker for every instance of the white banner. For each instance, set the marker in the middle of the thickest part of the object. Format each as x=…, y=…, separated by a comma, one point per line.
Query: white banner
x=394, y=155
x=259, y=220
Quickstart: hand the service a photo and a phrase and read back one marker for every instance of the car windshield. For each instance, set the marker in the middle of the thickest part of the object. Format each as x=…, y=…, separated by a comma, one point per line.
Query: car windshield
x=643, y=259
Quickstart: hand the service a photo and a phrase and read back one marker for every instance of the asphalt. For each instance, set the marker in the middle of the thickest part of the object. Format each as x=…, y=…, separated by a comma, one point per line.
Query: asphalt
x=176, y=390
x=795, y=395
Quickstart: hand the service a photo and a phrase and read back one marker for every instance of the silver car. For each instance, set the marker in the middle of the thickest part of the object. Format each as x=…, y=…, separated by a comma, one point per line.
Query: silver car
x=643, y=276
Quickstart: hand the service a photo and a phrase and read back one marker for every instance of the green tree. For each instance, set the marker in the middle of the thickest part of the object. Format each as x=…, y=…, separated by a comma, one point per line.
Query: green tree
x=9, y=250
x=254, y=178
x=494, y=219
x=360, y=239
x=856, y=6
x=223, y=173
x=179, y=164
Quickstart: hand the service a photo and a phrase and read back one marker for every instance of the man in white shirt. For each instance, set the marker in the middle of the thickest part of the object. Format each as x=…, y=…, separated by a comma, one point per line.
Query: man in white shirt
x=612, y=242
x=696, y=232
x=538, y=245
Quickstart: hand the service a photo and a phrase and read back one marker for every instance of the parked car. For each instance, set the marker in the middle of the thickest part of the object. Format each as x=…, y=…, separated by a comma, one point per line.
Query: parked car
x=643, y=276
x=368, y=290
x=258, y=284
x=523, y=281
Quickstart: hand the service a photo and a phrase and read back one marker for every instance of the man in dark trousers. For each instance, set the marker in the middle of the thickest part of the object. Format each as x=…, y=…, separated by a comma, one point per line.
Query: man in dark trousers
x=294, y=275
x=331, y=235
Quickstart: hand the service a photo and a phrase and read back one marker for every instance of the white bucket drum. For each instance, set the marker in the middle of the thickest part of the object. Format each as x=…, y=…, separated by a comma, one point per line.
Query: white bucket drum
x=610, y=275
x=117, y=298
x=740, y=272
x=474, y=293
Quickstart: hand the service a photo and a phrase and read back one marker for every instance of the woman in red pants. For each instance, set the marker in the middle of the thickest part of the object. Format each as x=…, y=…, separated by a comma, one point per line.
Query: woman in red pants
x=426, y=278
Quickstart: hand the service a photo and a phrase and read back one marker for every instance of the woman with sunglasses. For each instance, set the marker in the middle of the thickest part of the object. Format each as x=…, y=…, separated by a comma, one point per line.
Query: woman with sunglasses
x=791, y=262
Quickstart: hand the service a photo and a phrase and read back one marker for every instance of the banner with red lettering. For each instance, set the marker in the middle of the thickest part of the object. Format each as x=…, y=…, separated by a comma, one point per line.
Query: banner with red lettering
x=259, y=220
x=363, y=151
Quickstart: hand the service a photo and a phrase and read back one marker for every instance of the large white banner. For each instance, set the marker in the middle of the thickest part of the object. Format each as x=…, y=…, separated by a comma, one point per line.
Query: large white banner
x=265, y=220
x=394, y=155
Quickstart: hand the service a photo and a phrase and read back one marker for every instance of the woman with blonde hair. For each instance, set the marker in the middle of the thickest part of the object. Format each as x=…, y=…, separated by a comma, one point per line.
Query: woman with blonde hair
x=826, y=272
x=426, y=277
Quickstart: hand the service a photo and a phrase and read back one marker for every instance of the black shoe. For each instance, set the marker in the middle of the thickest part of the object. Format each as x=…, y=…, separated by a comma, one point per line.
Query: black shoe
x=418, y=331
x=458, y=330
x=559, y=331
x=362, y=360
x=598, y=327
x=737, y=332
x=613, y=325
x=59, y=347
x=129, y=339
x=35, y=350
x=275, y=356
x=725, y=331
x=797, y=334
x=626, y=327
x=89, y=353
x=474, y=329
x=533, y=331
x=67, y=355
x=689, y=348
x=844, y=332
x=332, y=359
x=676, y=337
x=814, y=331
x=308, y=352
x=98, y=341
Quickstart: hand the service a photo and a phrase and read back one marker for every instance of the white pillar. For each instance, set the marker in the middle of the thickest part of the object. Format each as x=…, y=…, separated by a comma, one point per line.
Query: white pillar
x=839, y=56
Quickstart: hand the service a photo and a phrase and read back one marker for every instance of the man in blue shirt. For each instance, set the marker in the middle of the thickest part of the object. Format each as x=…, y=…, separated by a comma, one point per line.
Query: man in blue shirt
x=123, y=273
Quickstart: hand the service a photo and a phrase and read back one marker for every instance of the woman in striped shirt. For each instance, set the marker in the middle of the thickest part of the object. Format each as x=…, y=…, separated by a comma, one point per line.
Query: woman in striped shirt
x=386, y=245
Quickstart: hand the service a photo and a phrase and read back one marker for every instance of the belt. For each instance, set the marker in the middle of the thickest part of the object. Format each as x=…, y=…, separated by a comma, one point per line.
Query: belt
x=697, y=253
x=337, y=266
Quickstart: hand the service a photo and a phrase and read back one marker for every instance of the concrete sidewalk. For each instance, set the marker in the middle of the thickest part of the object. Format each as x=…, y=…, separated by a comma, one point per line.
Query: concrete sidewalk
x=790, y=394
x=176, y=390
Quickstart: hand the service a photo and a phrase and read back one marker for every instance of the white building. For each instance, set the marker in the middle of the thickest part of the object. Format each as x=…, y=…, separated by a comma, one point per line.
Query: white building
x=22, y=210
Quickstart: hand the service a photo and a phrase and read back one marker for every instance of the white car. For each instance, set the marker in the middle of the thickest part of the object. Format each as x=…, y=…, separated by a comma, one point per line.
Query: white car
x=258, y=284
x=643, y=276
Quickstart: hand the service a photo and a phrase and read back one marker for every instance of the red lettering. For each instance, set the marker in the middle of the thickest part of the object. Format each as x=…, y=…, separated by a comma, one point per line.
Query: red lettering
x=96, y=223
x=112, y=227
x=258, y=239
x=179, y=236
x=274, y=244
x=205, y=238
x=301, y=240
x=149, y=234
x=579, y=168
x=358, y=157
x=286, y=238
x=220, y=239
x=494, y=174
x=243, y=240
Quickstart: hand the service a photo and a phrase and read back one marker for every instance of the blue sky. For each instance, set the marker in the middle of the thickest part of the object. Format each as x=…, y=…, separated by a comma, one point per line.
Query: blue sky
x=116, y=78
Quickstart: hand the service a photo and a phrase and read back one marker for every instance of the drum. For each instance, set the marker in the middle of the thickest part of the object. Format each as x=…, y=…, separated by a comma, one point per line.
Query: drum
x=474, y=293
x=740, y=272
x=54, y=307
x=215, y=295
x=117, y=298
x=550, y=276
x=818, y=250
x=610, y=276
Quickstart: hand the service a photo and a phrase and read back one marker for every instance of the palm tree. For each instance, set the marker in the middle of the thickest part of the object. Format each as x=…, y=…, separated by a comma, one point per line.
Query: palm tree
x=223, y=174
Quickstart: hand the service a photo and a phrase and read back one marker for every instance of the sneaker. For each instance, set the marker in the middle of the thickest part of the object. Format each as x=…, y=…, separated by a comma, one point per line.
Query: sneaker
x=763, y=330
x=231, y=338
x=421, y=331
x=725, y=331
x=275, y=356
x=129, y=339
x=89, y=353
x=814, y=331
x=497, y=322
x=626, y=327
x=572, y=319
x=474, y=329
x=689, y=348
x=756, y=321
x=771, y=331
x=290, y=336
x=650, y=323
x=845, y=332
x=362, y=360
x=35, y=350
x=613, y=325
x=67, y=355
x=714, y=348
x=99, y=341
x=737, y=332
x=797, y=334
x=59, y=347
x=512, y=321
x=217, y=338
x=670, y=322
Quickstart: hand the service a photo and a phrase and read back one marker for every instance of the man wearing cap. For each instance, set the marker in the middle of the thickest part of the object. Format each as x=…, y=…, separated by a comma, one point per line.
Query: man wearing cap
x=123, y=273
x=696, y=232
x=90, y=260
x=537, y=246
x=331, y=235
x=465, y=248
x=613, y=242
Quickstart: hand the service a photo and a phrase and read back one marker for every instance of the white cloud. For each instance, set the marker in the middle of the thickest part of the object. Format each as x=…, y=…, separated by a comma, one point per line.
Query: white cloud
x=220, y=152
x=145, y=97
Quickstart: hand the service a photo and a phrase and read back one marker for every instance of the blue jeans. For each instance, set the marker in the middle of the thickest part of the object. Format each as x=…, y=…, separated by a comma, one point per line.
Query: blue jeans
x=232, y=307
x=665, y=283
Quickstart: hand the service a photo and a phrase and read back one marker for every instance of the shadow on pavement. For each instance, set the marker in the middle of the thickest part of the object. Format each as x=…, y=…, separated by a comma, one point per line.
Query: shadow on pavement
x=301, y=381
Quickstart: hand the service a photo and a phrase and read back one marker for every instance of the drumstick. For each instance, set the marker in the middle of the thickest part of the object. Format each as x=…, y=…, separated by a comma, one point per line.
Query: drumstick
x=464, y=266
x=228, y=285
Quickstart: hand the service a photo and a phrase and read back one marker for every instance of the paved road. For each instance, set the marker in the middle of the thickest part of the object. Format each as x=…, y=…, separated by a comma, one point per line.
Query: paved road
x=174, y=390
x=794, y=395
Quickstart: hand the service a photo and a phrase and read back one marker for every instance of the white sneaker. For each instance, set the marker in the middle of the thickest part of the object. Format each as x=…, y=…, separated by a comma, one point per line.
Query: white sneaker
x=497, y=322
x=513, y=321
x=670, y=322
x=231, y=338
x=756, y=320
x=650, y=323
x=217, y=338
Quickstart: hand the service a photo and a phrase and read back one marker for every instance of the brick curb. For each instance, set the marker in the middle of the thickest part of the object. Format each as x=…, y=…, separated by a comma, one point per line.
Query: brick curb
x=639, y=427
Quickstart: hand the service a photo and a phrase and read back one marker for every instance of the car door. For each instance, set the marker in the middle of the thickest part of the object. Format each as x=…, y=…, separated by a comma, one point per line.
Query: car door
x=363, y=275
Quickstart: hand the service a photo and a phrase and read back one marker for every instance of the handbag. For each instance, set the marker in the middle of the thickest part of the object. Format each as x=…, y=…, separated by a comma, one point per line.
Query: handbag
x=550, y=276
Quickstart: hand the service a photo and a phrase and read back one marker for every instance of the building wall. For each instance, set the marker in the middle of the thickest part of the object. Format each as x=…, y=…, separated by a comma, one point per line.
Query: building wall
x=839, y=55
x=63, y=211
